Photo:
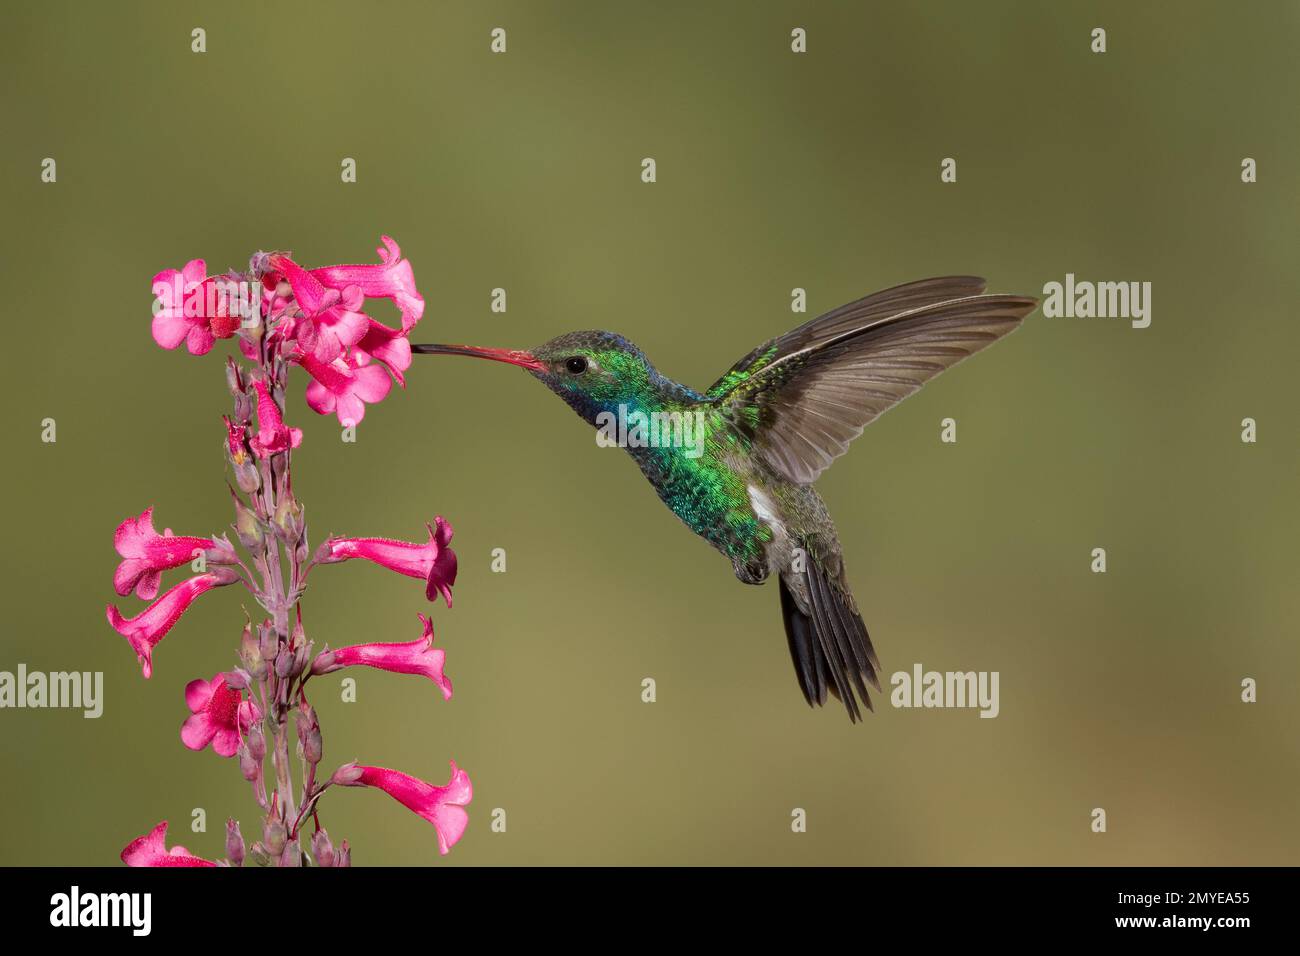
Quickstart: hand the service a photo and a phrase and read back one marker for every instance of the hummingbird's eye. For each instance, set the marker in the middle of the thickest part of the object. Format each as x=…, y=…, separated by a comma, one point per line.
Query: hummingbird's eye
x=577, y=365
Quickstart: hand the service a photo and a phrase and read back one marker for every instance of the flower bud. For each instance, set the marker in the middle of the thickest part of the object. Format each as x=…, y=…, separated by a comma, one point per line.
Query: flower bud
x=234, y=380
x=243, y=407
x=274, y=836
x=292, y=855
x=288, y=518
x=313, y=748
x=250, y=655
x=257, y=853
x=284, y=663
x=250, y=766
x=322, y=848
x=256, y=738
x=248, y=527
x=247, y=478
x=269, y=640
x=309, y=739
x=234, y=843
x=344, y=855
x=301, y=653
x=238, y=679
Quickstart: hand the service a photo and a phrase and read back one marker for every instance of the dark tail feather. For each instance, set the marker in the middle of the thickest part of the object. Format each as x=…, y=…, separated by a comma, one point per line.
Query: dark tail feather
x=829, y=645
x=807, y=662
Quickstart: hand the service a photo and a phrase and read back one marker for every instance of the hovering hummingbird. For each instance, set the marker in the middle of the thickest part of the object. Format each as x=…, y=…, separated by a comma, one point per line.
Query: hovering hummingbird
x=772, y=424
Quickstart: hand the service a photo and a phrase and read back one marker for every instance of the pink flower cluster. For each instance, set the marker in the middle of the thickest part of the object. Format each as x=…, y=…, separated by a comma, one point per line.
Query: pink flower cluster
x=284, y=315
x=313, y=316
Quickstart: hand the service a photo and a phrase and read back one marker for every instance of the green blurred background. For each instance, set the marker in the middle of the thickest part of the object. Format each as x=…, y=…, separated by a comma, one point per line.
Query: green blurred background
x=775, y=170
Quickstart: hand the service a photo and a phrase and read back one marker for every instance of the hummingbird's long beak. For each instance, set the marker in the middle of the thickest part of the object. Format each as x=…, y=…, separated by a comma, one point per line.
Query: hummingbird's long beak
x=509, y=356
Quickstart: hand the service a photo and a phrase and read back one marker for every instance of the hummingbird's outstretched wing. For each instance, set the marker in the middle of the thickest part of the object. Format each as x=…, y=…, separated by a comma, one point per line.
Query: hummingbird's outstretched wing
x=802, y=397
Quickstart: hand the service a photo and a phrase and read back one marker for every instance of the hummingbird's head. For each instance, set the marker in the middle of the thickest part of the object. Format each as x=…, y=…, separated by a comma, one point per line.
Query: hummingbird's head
x=592, y=371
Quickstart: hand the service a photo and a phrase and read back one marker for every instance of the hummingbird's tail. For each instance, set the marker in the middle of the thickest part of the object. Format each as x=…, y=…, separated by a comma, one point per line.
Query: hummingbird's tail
x=828, y=641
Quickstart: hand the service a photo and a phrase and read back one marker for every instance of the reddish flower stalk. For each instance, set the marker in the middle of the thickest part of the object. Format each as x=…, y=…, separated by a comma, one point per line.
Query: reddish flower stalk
x=285, y=316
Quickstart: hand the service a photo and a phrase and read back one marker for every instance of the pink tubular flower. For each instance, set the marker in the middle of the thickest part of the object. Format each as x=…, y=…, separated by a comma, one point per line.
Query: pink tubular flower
x=151, y=625
x=151, y=850
x=194, y=309
x=433, y=561
x=272, y=433
x=391, y=279
x=338, y=344
x=344, y=386
x=146, y=554
x=338, y=320
x=414, y=657
x=441, y=806
x=218, y=716
x=390, y=346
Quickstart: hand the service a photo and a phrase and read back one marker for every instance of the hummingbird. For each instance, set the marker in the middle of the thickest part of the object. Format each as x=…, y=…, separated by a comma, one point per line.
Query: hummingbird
x=770, y=426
